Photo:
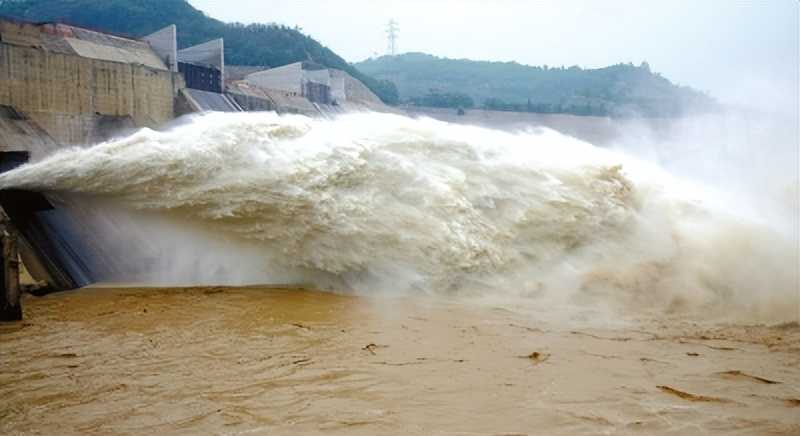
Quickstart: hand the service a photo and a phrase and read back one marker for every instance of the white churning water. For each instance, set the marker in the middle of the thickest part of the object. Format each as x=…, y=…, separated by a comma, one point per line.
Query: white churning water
x=384, y=203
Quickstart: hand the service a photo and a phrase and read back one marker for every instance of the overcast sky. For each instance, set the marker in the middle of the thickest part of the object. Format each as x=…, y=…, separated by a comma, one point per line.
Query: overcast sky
x=732, y=49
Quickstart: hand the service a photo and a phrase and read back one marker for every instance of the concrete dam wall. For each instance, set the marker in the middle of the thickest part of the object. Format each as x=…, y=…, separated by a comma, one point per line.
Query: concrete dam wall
x=59, y=86
x=62, y=85
x=69, y=96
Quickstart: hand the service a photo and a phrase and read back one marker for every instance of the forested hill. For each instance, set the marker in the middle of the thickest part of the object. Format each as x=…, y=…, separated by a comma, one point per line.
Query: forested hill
x=255, y=44
x=618, y=90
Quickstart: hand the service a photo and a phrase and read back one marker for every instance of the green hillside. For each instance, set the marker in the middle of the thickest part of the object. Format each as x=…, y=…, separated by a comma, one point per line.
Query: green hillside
x=618, y=90
x=255, y=44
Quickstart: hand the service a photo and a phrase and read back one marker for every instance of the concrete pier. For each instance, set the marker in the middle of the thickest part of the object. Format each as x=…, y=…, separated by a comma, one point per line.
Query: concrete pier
x=10, y=306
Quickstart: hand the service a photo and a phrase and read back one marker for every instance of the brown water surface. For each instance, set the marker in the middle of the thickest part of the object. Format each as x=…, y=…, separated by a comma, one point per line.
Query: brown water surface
x=279, y=361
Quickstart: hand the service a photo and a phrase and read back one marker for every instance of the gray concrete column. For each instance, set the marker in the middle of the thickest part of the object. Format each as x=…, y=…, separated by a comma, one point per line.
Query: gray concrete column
x=10, y=306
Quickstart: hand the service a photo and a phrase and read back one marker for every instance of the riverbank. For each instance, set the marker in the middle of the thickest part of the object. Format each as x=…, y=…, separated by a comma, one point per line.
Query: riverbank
x=275, y=361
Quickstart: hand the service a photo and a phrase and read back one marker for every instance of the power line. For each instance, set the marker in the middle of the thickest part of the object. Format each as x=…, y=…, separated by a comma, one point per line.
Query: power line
x=392, y=31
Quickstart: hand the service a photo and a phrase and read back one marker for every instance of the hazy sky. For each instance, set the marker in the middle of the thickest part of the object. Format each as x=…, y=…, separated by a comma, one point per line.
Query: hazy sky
x=732, y=49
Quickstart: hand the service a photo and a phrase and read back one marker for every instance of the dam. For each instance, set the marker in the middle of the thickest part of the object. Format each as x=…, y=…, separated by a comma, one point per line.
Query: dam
x=62, y=86
x=105, y=118
x=233, y=236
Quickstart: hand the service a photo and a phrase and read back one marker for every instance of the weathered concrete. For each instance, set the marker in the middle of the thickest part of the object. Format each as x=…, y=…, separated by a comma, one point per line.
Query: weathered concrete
x=10, y=307
x=19, y=133
x=251, y=102
x=287, y=91
x=355, y=91
x=165, y=44
x=82, y=128
x=71, y=40
x=255, y=98
x=79, y=85
x=34, y=81
x=235, y=73
x=203, y=101
x=287, y=78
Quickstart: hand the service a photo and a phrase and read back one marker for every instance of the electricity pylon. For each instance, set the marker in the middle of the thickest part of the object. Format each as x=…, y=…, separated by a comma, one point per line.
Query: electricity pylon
x=392, y=33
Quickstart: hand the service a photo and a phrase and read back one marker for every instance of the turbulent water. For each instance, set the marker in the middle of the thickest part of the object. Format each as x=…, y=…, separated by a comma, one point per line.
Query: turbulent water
x=384, y=203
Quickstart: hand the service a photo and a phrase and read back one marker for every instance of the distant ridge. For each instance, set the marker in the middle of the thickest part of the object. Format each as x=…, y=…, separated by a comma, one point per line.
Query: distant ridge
x=255, y=44
x=618, y=90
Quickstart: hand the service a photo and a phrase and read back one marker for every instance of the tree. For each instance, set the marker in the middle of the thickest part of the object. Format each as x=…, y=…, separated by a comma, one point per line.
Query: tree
x=508, y=86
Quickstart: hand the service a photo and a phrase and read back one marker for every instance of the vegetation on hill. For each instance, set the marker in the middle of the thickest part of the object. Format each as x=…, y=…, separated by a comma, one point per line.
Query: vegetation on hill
x=436, y=98
x=618, y=90
x=254, y=44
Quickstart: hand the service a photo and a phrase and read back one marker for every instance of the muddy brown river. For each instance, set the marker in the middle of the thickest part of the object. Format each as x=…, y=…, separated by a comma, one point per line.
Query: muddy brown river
x=241, y=361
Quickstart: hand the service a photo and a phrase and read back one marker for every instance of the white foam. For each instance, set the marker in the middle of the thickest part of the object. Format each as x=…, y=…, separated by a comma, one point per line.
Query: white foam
x=384, y=203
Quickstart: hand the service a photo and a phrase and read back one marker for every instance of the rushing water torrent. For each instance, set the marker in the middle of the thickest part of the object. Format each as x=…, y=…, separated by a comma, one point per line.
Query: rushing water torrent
x=384, y=203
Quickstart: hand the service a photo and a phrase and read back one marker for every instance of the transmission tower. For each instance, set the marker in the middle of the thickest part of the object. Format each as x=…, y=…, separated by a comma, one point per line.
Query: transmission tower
x=392, y=33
